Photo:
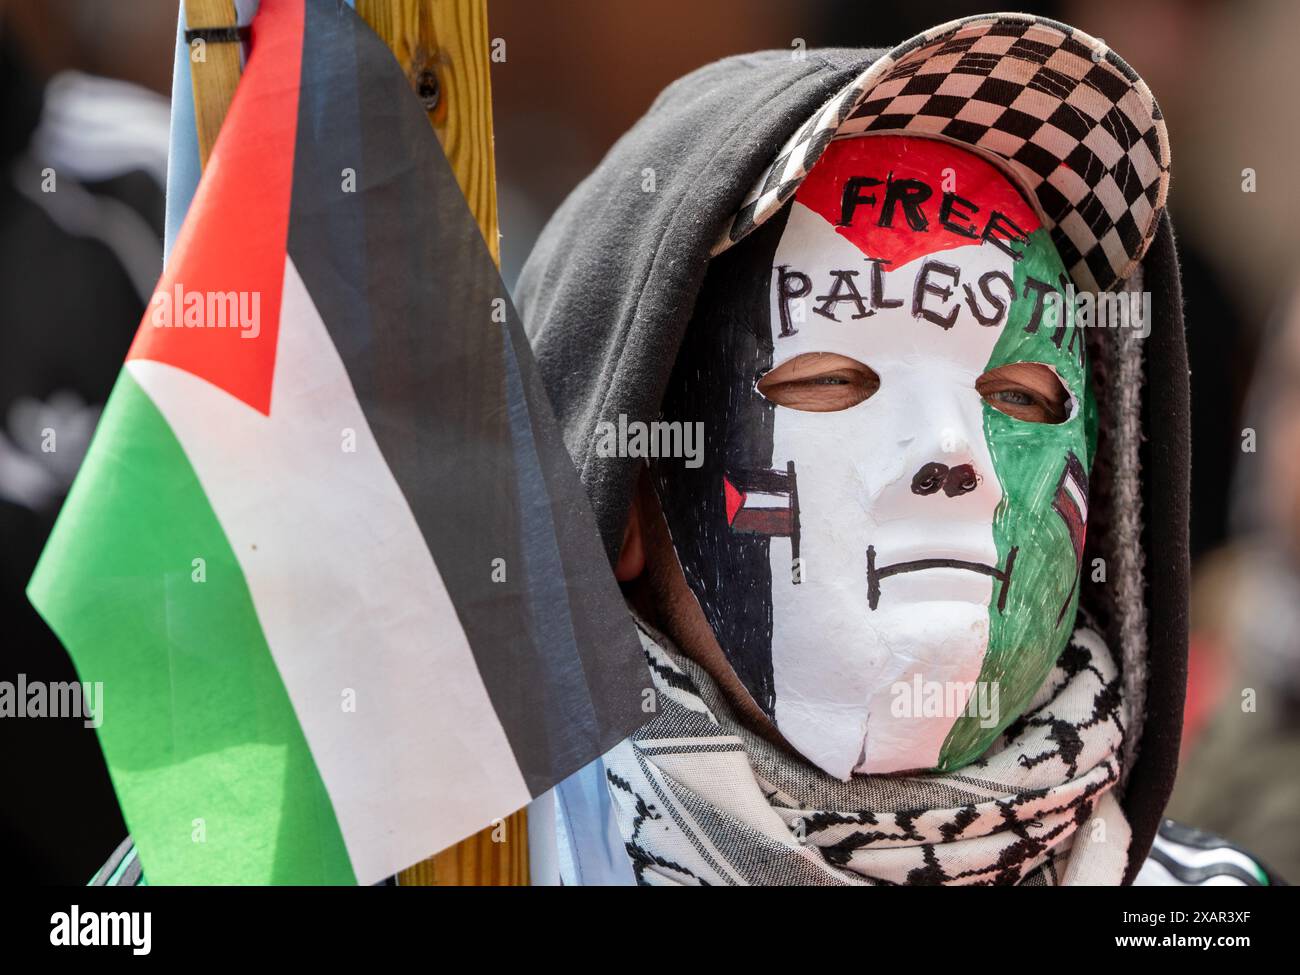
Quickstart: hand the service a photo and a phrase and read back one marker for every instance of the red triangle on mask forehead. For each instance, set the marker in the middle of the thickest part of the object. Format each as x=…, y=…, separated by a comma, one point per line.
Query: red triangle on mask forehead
x=941, y=166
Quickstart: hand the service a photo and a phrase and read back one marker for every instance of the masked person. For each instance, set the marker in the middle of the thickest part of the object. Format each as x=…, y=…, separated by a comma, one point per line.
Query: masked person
x=903, y=531
x=914, y=601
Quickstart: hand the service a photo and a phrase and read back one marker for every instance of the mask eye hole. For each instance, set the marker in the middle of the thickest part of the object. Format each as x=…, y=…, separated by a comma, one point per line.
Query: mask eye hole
x=1029, y=391
x=819, y=382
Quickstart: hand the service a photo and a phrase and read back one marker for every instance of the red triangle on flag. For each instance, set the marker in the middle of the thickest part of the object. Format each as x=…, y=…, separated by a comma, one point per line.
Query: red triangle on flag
x=233, y=240
x=735, y=499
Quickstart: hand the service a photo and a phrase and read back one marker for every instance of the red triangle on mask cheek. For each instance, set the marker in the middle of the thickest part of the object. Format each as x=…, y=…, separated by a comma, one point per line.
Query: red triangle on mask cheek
x=735, y=499
x=940, y=165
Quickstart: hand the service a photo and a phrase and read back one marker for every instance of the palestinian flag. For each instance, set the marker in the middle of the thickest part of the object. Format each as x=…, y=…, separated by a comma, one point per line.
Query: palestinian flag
x=1071, y=501
x=327, y=553
x=764, y=502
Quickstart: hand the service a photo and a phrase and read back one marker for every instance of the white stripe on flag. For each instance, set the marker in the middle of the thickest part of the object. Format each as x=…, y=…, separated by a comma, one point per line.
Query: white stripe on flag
x=764, y=502
x=1076, y=494
x=349, y=599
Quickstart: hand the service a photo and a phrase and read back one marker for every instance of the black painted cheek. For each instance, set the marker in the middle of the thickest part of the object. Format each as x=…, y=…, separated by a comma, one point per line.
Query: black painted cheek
x=727, y=343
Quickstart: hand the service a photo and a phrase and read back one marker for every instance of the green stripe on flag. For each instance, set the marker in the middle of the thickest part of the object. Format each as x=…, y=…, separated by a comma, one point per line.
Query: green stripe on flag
x=215, y=778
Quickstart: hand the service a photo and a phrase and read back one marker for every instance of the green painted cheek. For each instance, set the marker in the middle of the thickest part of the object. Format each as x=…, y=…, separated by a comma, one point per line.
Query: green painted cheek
x=1031, y=630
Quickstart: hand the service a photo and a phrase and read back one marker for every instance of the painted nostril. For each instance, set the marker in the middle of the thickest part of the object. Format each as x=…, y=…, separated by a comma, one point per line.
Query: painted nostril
x=960, y=480
x=929, y=478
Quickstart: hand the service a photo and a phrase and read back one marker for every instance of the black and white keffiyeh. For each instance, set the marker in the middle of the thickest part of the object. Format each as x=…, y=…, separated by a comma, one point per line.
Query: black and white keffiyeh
x=700, y=799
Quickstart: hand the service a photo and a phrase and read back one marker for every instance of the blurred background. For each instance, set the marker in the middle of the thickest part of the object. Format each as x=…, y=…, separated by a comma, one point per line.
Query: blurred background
x=86, y=83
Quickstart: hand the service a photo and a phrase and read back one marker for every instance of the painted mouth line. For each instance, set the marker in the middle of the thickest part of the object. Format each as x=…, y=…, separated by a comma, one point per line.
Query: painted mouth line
x=874, y=574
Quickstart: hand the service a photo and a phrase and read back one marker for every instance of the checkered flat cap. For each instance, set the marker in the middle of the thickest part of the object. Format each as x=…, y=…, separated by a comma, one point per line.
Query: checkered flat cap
x=1067, y=116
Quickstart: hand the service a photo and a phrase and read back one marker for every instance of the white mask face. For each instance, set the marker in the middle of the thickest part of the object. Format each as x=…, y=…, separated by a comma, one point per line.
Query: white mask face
x=857, y=473
x=923, y=516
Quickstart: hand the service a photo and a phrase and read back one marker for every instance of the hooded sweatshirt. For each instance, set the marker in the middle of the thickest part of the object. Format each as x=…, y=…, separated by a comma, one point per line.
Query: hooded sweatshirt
x=610, y=288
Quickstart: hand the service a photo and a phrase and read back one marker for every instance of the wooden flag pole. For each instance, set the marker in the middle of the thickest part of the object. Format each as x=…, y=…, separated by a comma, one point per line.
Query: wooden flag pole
x=443, y=47
x=214, y=67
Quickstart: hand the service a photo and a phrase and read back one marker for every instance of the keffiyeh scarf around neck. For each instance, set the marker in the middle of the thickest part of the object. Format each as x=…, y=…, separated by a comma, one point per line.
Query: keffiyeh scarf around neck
x=701, y=800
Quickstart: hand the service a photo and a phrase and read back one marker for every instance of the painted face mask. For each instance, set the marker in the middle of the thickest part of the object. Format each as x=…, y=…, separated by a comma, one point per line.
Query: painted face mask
x=891, y=581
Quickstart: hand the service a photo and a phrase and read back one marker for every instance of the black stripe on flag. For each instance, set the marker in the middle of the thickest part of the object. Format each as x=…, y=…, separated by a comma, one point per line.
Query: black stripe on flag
x=407, y=288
